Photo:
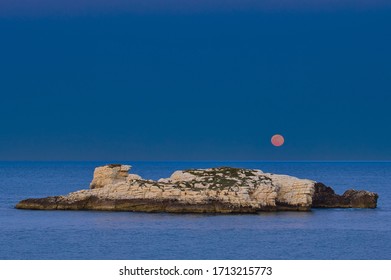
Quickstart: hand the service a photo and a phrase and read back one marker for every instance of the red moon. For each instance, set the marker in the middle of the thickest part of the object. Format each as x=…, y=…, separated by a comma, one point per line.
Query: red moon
x=277, y=140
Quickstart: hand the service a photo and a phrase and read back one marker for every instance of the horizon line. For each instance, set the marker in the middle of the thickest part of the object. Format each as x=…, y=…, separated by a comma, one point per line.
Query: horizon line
x=265, y=161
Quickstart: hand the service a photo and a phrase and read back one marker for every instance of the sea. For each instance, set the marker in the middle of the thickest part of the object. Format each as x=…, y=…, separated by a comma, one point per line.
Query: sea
x=332, y=234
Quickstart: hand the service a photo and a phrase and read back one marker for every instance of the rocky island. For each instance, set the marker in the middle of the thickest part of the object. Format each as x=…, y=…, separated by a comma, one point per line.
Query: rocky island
x=213, y=190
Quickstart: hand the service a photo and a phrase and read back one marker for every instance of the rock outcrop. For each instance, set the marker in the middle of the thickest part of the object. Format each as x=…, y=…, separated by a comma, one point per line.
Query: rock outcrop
x=325, y=197
x=213, y=190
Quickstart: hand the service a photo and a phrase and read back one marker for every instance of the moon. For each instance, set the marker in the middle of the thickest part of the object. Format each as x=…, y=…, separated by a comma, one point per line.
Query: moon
x=277, y=140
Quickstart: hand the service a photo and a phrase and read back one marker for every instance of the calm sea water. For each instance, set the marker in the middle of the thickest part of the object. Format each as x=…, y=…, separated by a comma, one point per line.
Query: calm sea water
x=319, y=234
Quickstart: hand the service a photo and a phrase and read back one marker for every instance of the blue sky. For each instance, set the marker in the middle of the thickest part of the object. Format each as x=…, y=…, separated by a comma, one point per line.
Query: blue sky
x=84, y=80
x=77, y=7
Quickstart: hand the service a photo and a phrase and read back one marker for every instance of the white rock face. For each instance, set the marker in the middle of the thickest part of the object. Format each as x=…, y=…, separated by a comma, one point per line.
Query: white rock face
x=291, y=190
x=241, y=188
x=181, y=176
x=109, y=175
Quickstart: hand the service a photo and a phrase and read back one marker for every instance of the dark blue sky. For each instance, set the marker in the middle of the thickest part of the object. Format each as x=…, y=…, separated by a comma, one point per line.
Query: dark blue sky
x=194, y=82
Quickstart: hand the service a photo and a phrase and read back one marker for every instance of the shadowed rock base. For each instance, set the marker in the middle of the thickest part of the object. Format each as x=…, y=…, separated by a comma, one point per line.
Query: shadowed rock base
x=146, y=205
x=214, y=190
x=325, y=197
